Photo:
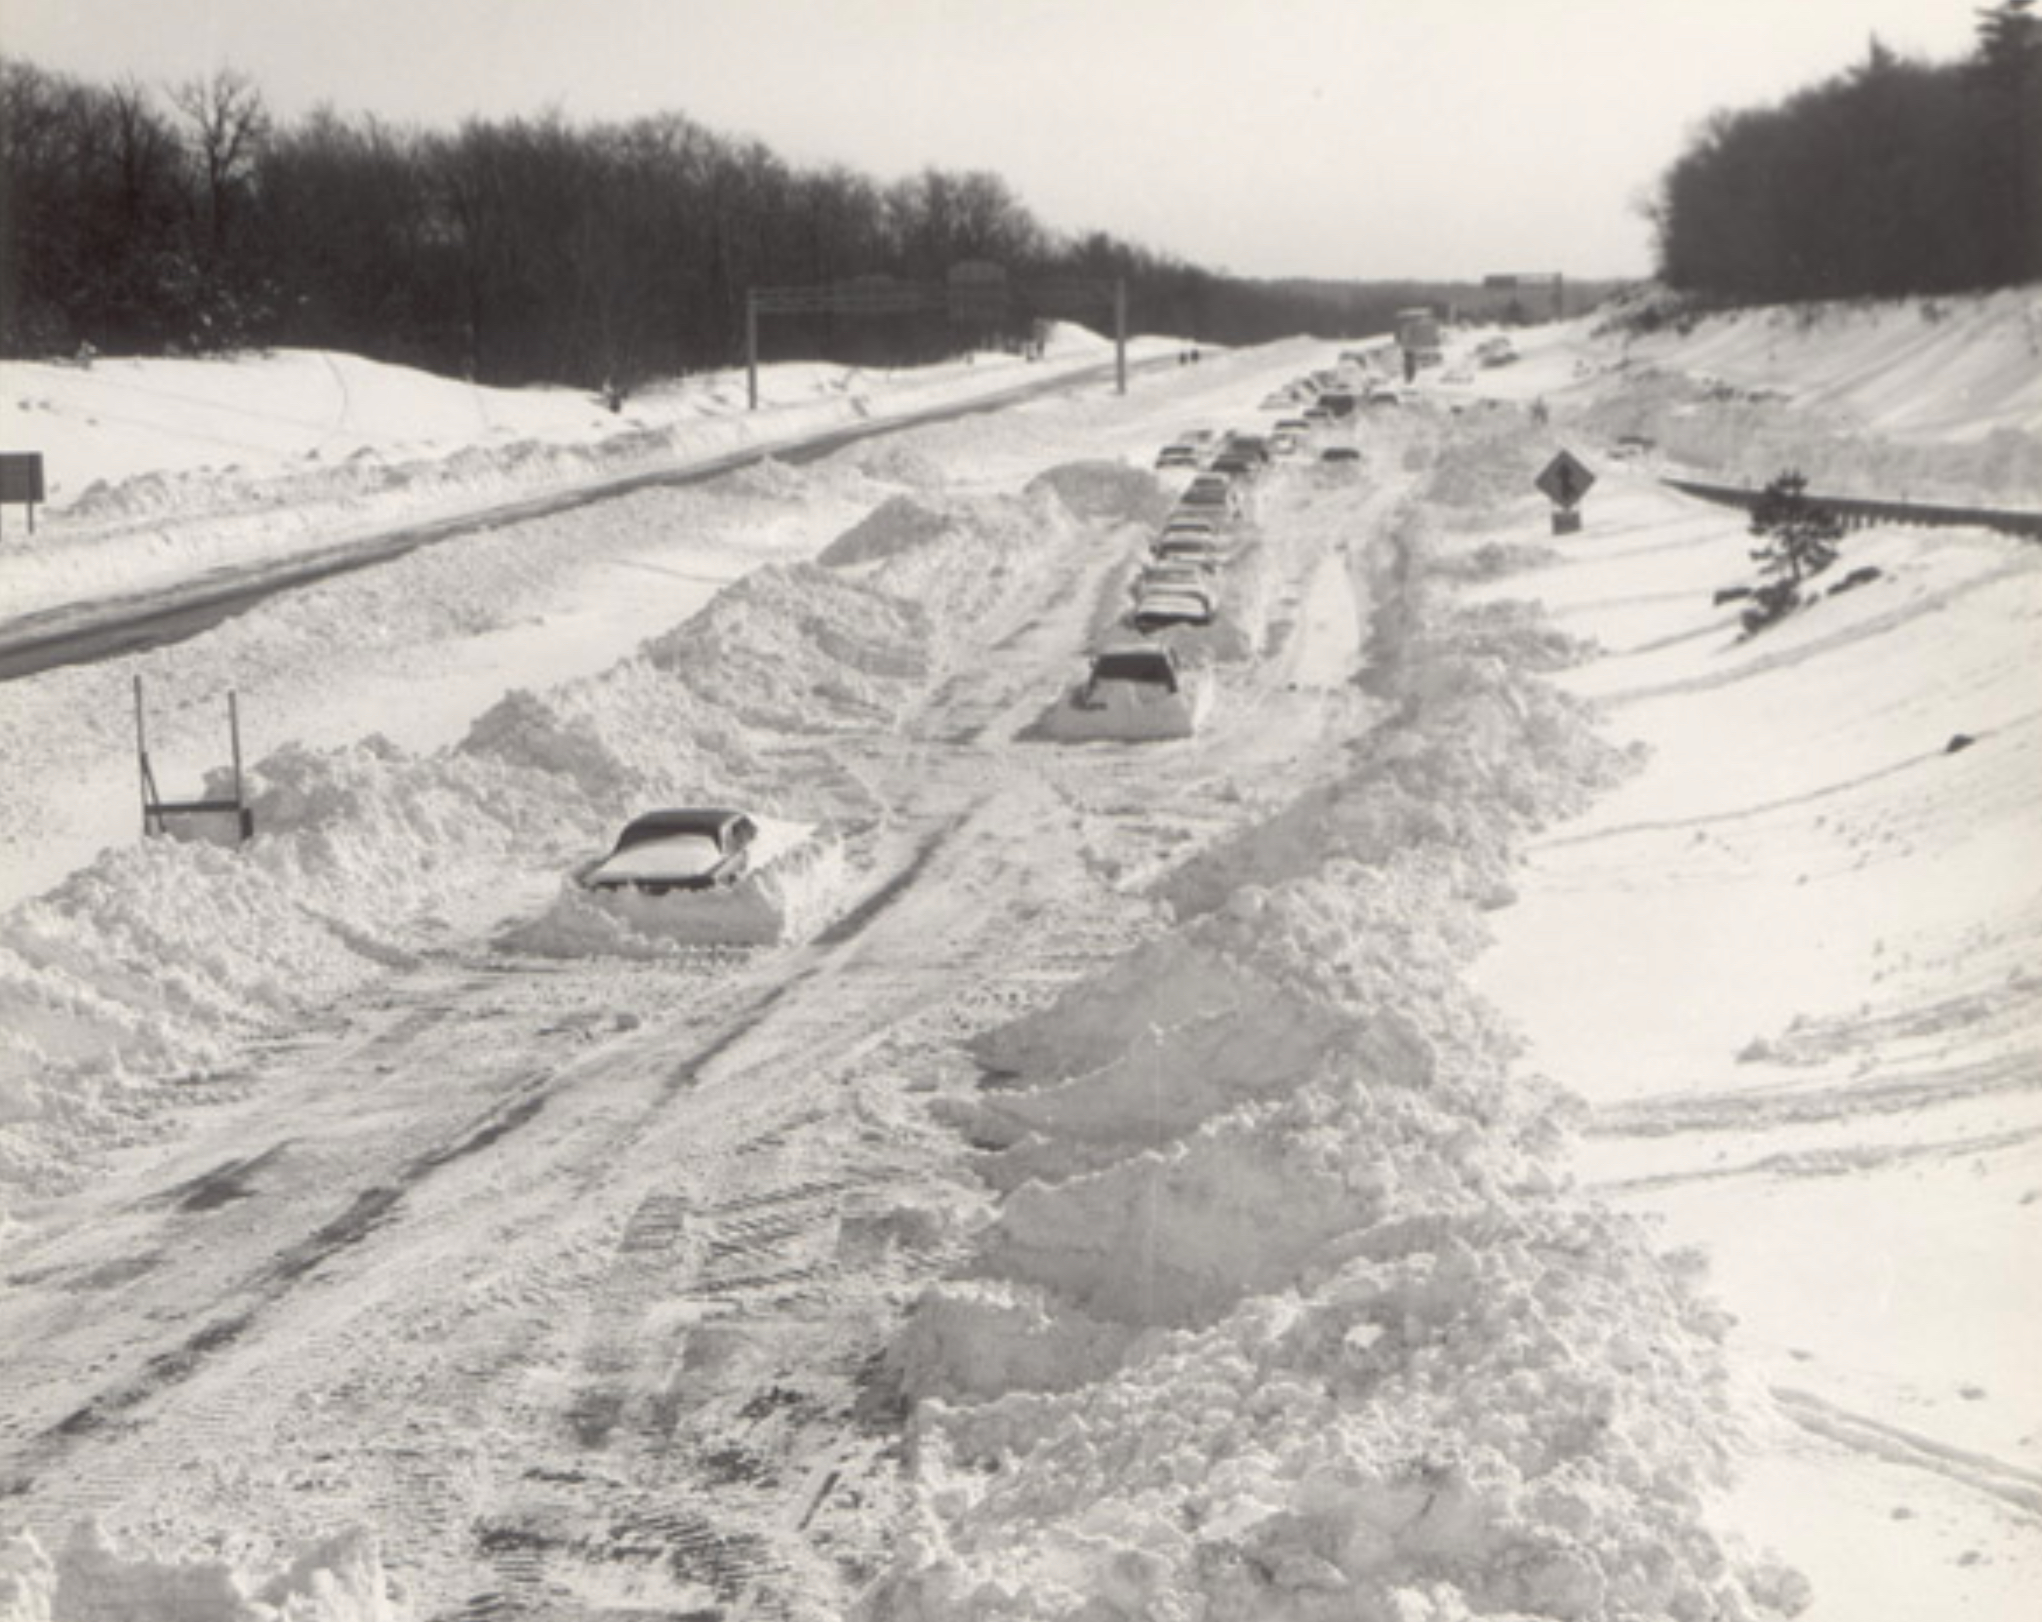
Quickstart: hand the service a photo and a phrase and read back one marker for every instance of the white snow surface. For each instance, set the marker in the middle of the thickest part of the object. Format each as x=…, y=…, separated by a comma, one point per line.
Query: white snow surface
x=1530, y=1112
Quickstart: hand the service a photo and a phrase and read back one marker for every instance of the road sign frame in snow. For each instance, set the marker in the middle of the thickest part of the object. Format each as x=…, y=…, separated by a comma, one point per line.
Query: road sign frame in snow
x=1565, y=480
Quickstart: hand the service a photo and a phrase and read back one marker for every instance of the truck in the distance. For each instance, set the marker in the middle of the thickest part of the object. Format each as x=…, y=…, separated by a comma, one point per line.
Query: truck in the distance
x=1418, y=338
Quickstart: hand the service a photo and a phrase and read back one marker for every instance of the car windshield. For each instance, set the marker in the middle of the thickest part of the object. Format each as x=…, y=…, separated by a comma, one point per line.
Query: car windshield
x=1135, y=665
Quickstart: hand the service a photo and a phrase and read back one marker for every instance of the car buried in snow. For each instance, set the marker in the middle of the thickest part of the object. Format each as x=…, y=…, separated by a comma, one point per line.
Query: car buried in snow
x=691, y=849
x=1134, y=694
x=1196, y=550
x=1162, y=608
x=1211, y=494
x=1176, y=572
x=688, y=877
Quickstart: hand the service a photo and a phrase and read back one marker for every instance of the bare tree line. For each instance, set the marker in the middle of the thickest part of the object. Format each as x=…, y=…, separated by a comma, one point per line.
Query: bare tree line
x=517, y=250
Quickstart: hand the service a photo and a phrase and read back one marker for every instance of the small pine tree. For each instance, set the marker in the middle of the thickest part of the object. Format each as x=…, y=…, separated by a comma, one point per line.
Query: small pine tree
x=1800, y=539
x=1800, y=535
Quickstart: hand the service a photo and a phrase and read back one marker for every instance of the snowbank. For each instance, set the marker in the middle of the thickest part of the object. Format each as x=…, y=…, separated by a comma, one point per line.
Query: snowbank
x=338, y=1580
x=162, y=470
x=1285, y=1299
x=1924, y=400
x=160, y=961
x=1285, y=1311
x=1911, y=369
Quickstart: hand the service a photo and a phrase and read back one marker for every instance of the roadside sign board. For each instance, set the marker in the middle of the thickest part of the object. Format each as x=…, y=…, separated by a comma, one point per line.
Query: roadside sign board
x=21, y=481
x=1565, y=479
x=21, y=476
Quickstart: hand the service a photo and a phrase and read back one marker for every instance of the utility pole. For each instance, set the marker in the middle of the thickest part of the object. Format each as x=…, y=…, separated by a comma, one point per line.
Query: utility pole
x=1120, y=334
x=751, y=348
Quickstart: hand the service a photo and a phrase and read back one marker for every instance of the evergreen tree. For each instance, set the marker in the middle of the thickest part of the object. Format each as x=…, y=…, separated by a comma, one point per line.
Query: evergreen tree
x=2007, y=74
x=1800, y=539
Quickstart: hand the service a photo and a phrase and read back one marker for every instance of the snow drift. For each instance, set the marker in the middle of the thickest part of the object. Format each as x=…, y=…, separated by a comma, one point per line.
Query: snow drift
x=338, y=1580
x=1275, y=1166
x=162, y=960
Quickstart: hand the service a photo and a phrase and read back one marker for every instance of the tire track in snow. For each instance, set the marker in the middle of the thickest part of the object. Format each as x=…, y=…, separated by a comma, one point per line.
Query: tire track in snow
x=370, y=1209
x=1765, y=808
x=728, y=1348
x=1821, y=647
x=1833, y=1162
x=1742, y=1111
x=2010, y=1484
x=184, y=1390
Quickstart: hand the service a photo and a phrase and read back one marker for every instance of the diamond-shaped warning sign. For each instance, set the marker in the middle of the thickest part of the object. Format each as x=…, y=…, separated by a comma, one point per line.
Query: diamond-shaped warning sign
x=1565, y=479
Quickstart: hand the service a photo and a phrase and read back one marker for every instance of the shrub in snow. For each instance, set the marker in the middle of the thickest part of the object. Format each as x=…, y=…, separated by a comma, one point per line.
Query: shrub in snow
x=1800, y=539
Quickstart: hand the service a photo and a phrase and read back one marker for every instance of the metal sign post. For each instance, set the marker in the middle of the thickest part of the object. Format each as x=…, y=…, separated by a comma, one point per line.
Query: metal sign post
x=193, y=819
x=1120, y=335
x=751, y=349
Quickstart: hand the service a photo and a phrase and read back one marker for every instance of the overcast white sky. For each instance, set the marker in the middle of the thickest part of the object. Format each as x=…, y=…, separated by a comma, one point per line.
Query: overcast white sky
x=1362, y=138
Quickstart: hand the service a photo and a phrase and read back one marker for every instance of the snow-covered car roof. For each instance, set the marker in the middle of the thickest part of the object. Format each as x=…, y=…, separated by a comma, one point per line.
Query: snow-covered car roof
x=1200, y=548
x=684, y=847
x=1172, y=608
x=1187, y=576
x=710, y=822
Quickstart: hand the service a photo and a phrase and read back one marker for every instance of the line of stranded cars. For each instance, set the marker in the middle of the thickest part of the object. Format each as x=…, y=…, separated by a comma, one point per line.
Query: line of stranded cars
x=1133, y=691
x=1142, y=690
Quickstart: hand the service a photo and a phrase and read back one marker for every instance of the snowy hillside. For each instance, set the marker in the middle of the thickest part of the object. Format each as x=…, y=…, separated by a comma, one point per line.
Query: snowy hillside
x=1531, y=1111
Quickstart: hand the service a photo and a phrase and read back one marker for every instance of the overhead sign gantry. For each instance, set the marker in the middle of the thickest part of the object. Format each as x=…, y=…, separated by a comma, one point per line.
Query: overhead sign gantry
x=1539, y=280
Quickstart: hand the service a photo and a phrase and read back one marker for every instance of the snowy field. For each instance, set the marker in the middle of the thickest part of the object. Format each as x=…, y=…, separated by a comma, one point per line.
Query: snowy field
x=1532, y=1110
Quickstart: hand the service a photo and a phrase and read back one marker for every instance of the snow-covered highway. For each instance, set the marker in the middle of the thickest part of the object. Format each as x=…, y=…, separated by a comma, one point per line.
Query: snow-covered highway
x=1302, y=1170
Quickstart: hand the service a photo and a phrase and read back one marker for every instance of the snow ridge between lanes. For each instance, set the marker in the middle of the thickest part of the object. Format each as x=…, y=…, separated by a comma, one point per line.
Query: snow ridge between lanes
x=1286, y=1312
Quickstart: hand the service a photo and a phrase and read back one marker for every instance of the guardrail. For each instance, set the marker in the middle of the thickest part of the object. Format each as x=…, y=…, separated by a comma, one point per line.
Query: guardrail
x=1858, y=513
